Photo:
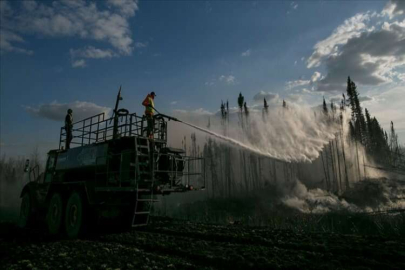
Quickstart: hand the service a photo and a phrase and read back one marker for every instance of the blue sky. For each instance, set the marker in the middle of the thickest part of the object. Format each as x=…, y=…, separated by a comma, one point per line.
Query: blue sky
x=193, y=54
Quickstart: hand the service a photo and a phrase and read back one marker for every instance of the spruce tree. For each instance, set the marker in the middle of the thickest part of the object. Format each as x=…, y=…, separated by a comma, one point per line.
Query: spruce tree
x=357, y=112
x=265, y=109
x=325, y=108
x=223, y=110
x=246, y=109
x=241, y=100
x=369, y=139
x=266, y=106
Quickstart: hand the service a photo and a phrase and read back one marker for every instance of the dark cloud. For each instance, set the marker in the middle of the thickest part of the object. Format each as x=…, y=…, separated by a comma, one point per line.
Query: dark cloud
x=57, y=111
x=366, y=58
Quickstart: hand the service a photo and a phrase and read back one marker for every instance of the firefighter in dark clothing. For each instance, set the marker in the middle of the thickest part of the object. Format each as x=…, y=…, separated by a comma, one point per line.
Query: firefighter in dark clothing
x=69, y=127
x=149, y=111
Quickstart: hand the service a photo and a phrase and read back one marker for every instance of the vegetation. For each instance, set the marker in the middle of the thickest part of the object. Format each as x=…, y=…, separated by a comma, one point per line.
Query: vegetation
x=367, y=131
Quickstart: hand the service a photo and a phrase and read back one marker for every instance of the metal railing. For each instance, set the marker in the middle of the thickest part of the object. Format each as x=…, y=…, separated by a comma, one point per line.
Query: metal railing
x=98, y=129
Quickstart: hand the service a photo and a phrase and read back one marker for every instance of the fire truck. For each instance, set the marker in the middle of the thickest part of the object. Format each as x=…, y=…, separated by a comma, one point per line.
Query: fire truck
x=113, y=170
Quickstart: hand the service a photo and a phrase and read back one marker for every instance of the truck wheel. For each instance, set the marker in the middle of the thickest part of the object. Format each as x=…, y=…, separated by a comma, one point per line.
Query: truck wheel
x=74, y=215
x=25, y=210
x=54, y=215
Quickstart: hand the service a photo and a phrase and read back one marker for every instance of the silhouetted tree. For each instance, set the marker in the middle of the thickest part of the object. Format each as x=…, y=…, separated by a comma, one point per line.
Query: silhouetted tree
x=325, y=108
x=241, y=100
x=265, y=108
x=357, y=112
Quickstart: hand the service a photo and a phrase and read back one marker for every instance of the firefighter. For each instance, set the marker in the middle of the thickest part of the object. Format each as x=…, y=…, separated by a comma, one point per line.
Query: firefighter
x=69, y=127
x=149, y=111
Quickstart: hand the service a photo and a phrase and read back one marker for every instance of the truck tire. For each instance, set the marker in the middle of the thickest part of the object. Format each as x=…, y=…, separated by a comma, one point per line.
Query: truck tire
x=25, y=210
x=54, y=216
x=74, y=215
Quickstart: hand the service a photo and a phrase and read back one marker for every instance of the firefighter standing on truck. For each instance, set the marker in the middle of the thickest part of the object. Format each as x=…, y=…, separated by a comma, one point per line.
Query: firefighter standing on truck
x=149, y=111
x=69, y=128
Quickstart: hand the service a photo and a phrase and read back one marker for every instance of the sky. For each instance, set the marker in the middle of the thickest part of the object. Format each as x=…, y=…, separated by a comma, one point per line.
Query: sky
x=56, y=55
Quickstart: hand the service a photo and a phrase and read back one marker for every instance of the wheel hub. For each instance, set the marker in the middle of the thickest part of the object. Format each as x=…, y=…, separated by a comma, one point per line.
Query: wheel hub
x=55, y=211
x=73, y=215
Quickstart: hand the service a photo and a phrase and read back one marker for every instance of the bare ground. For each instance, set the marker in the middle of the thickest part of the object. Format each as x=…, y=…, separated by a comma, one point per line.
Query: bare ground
x=175, y=244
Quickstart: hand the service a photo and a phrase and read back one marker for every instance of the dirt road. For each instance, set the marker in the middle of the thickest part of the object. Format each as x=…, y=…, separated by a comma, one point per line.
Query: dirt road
x=171, y=244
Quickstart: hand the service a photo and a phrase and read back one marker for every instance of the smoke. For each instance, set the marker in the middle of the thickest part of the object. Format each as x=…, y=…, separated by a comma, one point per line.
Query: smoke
x=316, y=201
x=369, y=195
x=12, y=181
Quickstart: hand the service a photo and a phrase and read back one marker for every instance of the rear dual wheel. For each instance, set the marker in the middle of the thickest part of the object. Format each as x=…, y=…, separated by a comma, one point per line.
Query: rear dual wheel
x=55, y=214
x=74, y=215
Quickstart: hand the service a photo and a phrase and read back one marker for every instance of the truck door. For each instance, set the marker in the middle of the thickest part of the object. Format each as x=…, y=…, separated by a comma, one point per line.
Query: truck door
x=50, y=168
x=45, y=179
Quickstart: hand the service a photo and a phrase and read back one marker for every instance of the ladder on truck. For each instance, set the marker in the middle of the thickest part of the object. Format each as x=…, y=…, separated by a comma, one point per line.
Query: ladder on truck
x=144, y=163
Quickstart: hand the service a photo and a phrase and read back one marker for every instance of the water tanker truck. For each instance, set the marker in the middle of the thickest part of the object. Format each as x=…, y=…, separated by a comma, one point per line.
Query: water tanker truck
x=112, y=171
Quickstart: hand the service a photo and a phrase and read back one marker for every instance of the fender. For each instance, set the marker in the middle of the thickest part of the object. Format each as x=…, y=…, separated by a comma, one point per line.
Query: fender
x=31, y=188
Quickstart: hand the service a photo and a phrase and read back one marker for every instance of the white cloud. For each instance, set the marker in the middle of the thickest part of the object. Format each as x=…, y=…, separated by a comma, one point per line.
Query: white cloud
x=140, y=45
x=57, y=111
x=269, y=96
x=79, y=63
x=394, y=8
x=316, y=76
x=293, y=6
x=199, y=111
x=227, y=79
x=126, y=7
x=246, y=53
x=6, y=40
x=99, y=21
x=297, y=83
x=293, y=84
x=91, y=52
x=173, y=102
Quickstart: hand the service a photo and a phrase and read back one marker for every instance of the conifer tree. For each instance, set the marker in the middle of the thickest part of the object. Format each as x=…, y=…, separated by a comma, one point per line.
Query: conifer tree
x=266, y=106
x=246, y=109
x=265, y=109
x=369, y=139
x=227, y=110
x=241, y=100
x=325, y=108
x=357, y=112
x=223, y=113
